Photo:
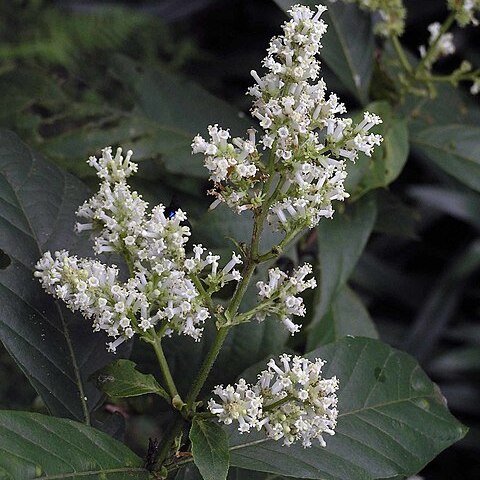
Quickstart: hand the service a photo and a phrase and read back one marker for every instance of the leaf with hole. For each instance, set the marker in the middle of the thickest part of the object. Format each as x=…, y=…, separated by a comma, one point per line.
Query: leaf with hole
x=392, y=420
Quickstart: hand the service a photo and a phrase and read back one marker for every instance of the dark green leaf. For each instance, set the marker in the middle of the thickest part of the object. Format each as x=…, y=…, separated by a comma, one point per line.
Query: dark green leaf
x=122, y=379
x=341, y=242
x=54, y=348
x=347, y=46
x=165, y=98
x=210, y=449
x=387, y=160
x=392, y=420
x=34, y=446
x=394, y=216
x=347, y=316
x=455, y=149
x=464, y=205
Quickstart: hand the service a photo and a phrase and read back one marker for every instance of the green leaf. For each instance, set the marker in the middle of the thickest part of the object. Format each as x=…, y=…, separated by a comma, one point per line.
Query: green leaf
x=40, y=447
x=392, y=420
x=165, y=98
x=341, y=242
x=347, y=316
x=387, y=160
x=210, y=449
x=455, y=149
x=348, y=45
x=122, y=379
x=55, y=349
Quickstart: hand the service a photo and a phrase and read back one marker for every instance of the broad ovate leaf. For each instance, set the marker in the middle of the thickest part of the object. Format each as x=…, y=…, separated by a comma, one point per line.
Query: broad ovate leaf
x=392, y=420
x=209, y=449
x=453, y=148
x=55, y=349
x=40, y=447
x=341, y=242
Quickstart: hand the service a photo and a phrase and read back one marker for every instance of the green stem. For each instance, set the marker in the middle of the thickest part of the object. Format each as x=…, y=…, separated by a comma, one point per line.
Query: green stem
x=206, y=366
x=162, y=361
x=401, y=54
x=278, y=403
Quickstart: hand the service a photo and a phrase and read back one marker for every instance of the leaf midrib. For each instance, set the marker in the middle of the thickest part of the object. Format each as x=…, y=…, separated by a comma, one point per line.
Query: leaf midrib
x=78, y=380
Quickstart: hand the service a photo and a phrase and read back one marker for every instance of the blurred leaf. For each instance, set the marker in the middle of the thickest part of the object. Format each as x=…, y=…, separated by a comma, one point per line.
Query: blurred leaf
x=457, y=362
x=181, y=109
x=122, y=379
x=347, y=316
x=464, y=205
x=341, y=242
x=394, y=216
x=392, y=420
x=55, y=349
x=453, y=148
x=210, y=449
x=347, y=45
x=441, y=303
x=387, y=160
x=43, y=447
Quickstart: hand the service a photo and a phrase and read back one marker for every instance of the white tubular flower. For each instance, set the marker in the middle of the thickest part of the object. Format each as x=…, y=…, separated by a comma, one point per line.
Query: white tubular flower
x=308, y=143
x=475, y=88
x=290, y=402
x=239, y=403
x=115, y=215
x=279, y=295
x=113, y=169
x=93, y=289
x=159, y=290
x=444, y=45
x=298, y=404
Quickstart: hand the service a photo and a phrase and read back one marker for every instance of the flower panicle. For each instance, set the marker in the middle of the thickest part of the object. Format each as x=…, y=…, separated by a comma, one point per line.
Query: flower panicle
x=290, y=401
x=305, y=139
x=160, y=292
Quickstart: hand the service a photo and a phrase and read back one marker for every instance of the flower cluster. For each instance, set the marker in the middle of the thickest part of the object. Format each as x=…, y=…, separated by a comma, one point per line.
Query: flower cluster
x=289, y=401
x=160, y=291
x=392, y=13
x=279, y=295
x=307, y=142
x=443, y=44
x=465, y=11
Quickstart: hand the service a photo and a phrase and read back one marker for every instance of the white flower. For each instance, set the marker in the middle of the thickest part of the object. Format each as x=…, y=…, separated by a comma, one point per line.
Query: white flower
x=159, y=290
x=294, y=110
x=290, y=401
x=281, y=291
x=444, y=44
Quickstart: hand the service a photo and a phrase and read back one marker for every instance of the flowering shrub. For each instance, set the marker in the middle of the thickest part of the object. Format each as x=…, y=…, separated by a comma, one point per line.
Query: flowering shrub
x=343, y=410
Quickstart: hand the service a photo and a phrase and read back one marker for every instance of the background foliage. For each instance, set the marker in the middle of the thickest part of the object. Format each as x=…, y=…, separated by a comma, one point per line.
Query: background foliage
x=400, y=261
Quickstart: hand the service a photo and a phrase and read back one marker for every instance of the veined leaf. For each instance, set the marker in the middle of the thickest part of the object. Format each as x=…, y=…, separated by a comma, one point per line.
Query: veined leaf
x=210, y=449
x=40, y=447
x=392, y=420
x=55, y=349
x=455, y=149
x=122, y=379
